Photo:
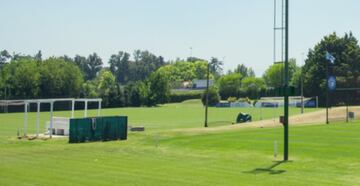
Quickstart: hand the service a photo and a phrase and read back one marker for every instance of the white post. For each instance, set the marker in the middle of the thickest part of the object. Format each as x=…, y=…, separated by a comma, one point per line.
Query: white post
x=99, y=108
x=72, y=108
x=25, y=118
x=51, y=118
x=86, y=107
x=275, y=149
x=38, y=119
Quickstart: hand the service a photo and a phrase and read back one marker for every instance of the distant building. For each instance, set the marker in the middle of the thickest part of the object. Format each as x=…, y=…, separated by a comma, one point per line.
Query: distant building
x=201, y=83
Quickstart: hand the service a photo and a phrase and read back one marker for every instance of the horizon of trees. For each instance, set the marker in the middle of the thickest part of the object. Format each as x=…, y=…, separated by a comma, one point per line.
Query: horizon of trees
x=145, y=79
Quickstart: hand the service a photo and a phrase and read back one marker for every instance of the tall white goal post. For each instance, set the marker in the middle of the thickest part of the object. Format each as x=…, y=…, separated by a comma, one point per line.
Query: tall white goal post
x=38, y=102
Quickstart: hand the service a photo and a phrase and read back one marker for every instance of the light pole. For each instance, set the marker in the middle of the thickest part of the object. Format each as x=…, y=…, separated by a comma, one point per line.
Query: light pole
x=207, y=95
x=286, y=95
x=302, y=86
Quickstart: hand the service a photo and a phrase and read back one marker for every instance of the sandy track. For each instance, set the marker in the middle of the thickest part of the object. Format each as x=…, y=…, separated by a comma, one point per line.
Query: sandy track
x=316, y=117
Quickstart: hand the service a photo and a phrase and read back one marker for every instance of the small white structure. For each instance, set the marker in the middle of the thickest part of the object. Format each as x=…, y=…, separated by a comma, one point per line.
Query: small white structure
x=201, y=83
x=60, y=126
x=38, y=102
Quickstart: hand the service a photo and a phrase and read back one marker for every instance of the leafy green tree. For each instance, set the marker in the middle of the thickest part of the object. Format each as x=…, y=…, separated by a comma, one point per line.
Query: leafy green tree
x=296, y=80
x=180, y=71
x=274, y=75
x=108, y=89
x=21, y=78
x=68, y=59
x=145, y=64
x=201, y=70
x=120, y=65
x=244, y=71
x=192, y=59
x=251, y=87
x=106, y=81
x=81, y=62
x=60, y=79
x=4, y=57
x=214, y=97
x=159, y=87
x=38, y=56
x=89, y=90
x=346, y=68
x=216, y=67
x=229, y=85
x=93, y=66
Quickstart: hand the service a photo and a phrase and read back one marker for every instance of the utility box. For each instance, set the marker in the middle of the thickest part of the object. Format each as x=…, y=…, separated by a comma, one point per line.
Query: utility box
x=60, y=126
x=98, y=129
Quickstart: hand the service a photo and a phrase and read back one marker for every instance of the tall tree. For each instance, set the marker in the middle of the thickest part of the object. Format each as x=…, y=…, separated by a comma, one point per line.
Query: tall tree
x=21, y=78
x=346, y=68
x=216, y=66
x=120, y=65
x=38, y=56
x=60, y=79
x=274, y=75
x=251, y=87
x=159, y=87
x=145, y=64
x=245, y=71
x=4, y=57
x=108, y=89
x=93, y=66
x=229, y=85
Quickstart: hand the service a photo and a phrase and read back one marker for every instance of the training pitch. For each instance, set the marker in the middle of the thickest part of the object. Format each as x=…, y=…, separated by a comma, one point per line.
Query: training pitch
x=174, y=151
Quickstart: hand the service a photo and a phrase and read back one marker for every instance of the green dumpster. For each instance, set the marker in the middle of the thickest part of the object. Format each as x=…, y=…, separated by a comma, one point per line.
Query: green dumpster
x=98, y=129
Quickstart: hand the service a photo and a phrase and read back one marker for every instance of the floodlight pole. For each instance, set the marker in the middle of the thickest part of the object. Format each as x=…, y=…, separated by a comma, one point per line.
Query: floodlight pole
x=207, y=95
x=286, y=95
x=302, y=93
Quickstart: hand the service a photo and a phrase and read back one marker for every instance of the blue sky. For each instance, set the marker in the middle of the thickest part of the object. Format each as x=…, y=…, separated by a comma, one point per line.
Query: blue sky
x=236, y=31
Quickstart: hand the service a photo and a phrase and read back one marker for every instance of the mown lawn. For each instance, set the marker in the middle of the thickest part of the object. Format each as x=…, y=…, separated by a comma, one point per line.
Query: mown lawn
x=320, y=155
x=189, y=114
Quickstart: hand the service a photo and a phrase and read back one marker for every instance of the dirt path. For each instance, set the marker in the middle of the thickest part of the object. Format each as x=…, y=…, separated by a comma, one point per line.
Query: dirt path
x=317, y=117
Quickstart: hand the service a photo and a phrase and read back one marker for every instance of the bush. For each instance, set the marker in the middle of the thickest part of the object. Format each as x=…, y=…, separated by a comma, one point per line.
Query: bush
x=229, y=85
x=232, y=99
x=214, y=97
x=178, y=97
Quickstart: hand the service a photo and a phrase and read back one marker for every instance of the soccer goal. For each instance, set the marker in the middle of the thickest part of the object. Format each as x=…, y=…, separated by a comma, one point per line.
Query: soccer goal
x=276, y=104
x=55, y=125
x=294, y=101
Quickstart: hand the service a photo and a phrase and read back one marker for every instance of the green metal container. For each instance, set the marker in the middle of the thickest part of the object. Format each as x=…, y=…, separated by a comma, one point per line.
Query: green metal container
x=98, y=129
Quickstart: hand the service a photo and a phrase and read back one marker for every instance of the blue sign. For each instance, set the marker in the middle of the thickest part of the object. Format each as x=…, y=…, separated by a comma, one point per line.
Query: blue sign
x=330, y=57
x=332, y=83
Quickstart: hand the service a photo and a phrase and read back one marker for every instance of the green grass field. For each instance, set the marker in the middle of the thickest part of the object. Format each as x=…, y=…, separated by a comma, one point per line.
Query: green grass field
x=320, y=154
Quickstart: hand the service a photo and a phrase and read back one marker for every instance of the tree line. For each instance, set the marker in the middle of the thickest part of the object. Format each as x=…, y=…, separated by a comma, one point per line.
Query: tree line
x=145, y=79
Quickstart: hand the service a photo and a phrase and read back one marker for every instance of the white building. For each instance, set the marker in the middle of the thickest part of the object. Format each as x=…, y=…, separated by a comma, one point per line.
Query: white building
x=201, y=83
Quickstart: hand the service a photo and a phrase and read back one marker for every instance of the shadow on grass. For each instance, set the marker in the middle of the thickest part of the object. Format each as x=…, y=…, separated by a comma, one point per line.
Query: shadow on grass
x=270, y=169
